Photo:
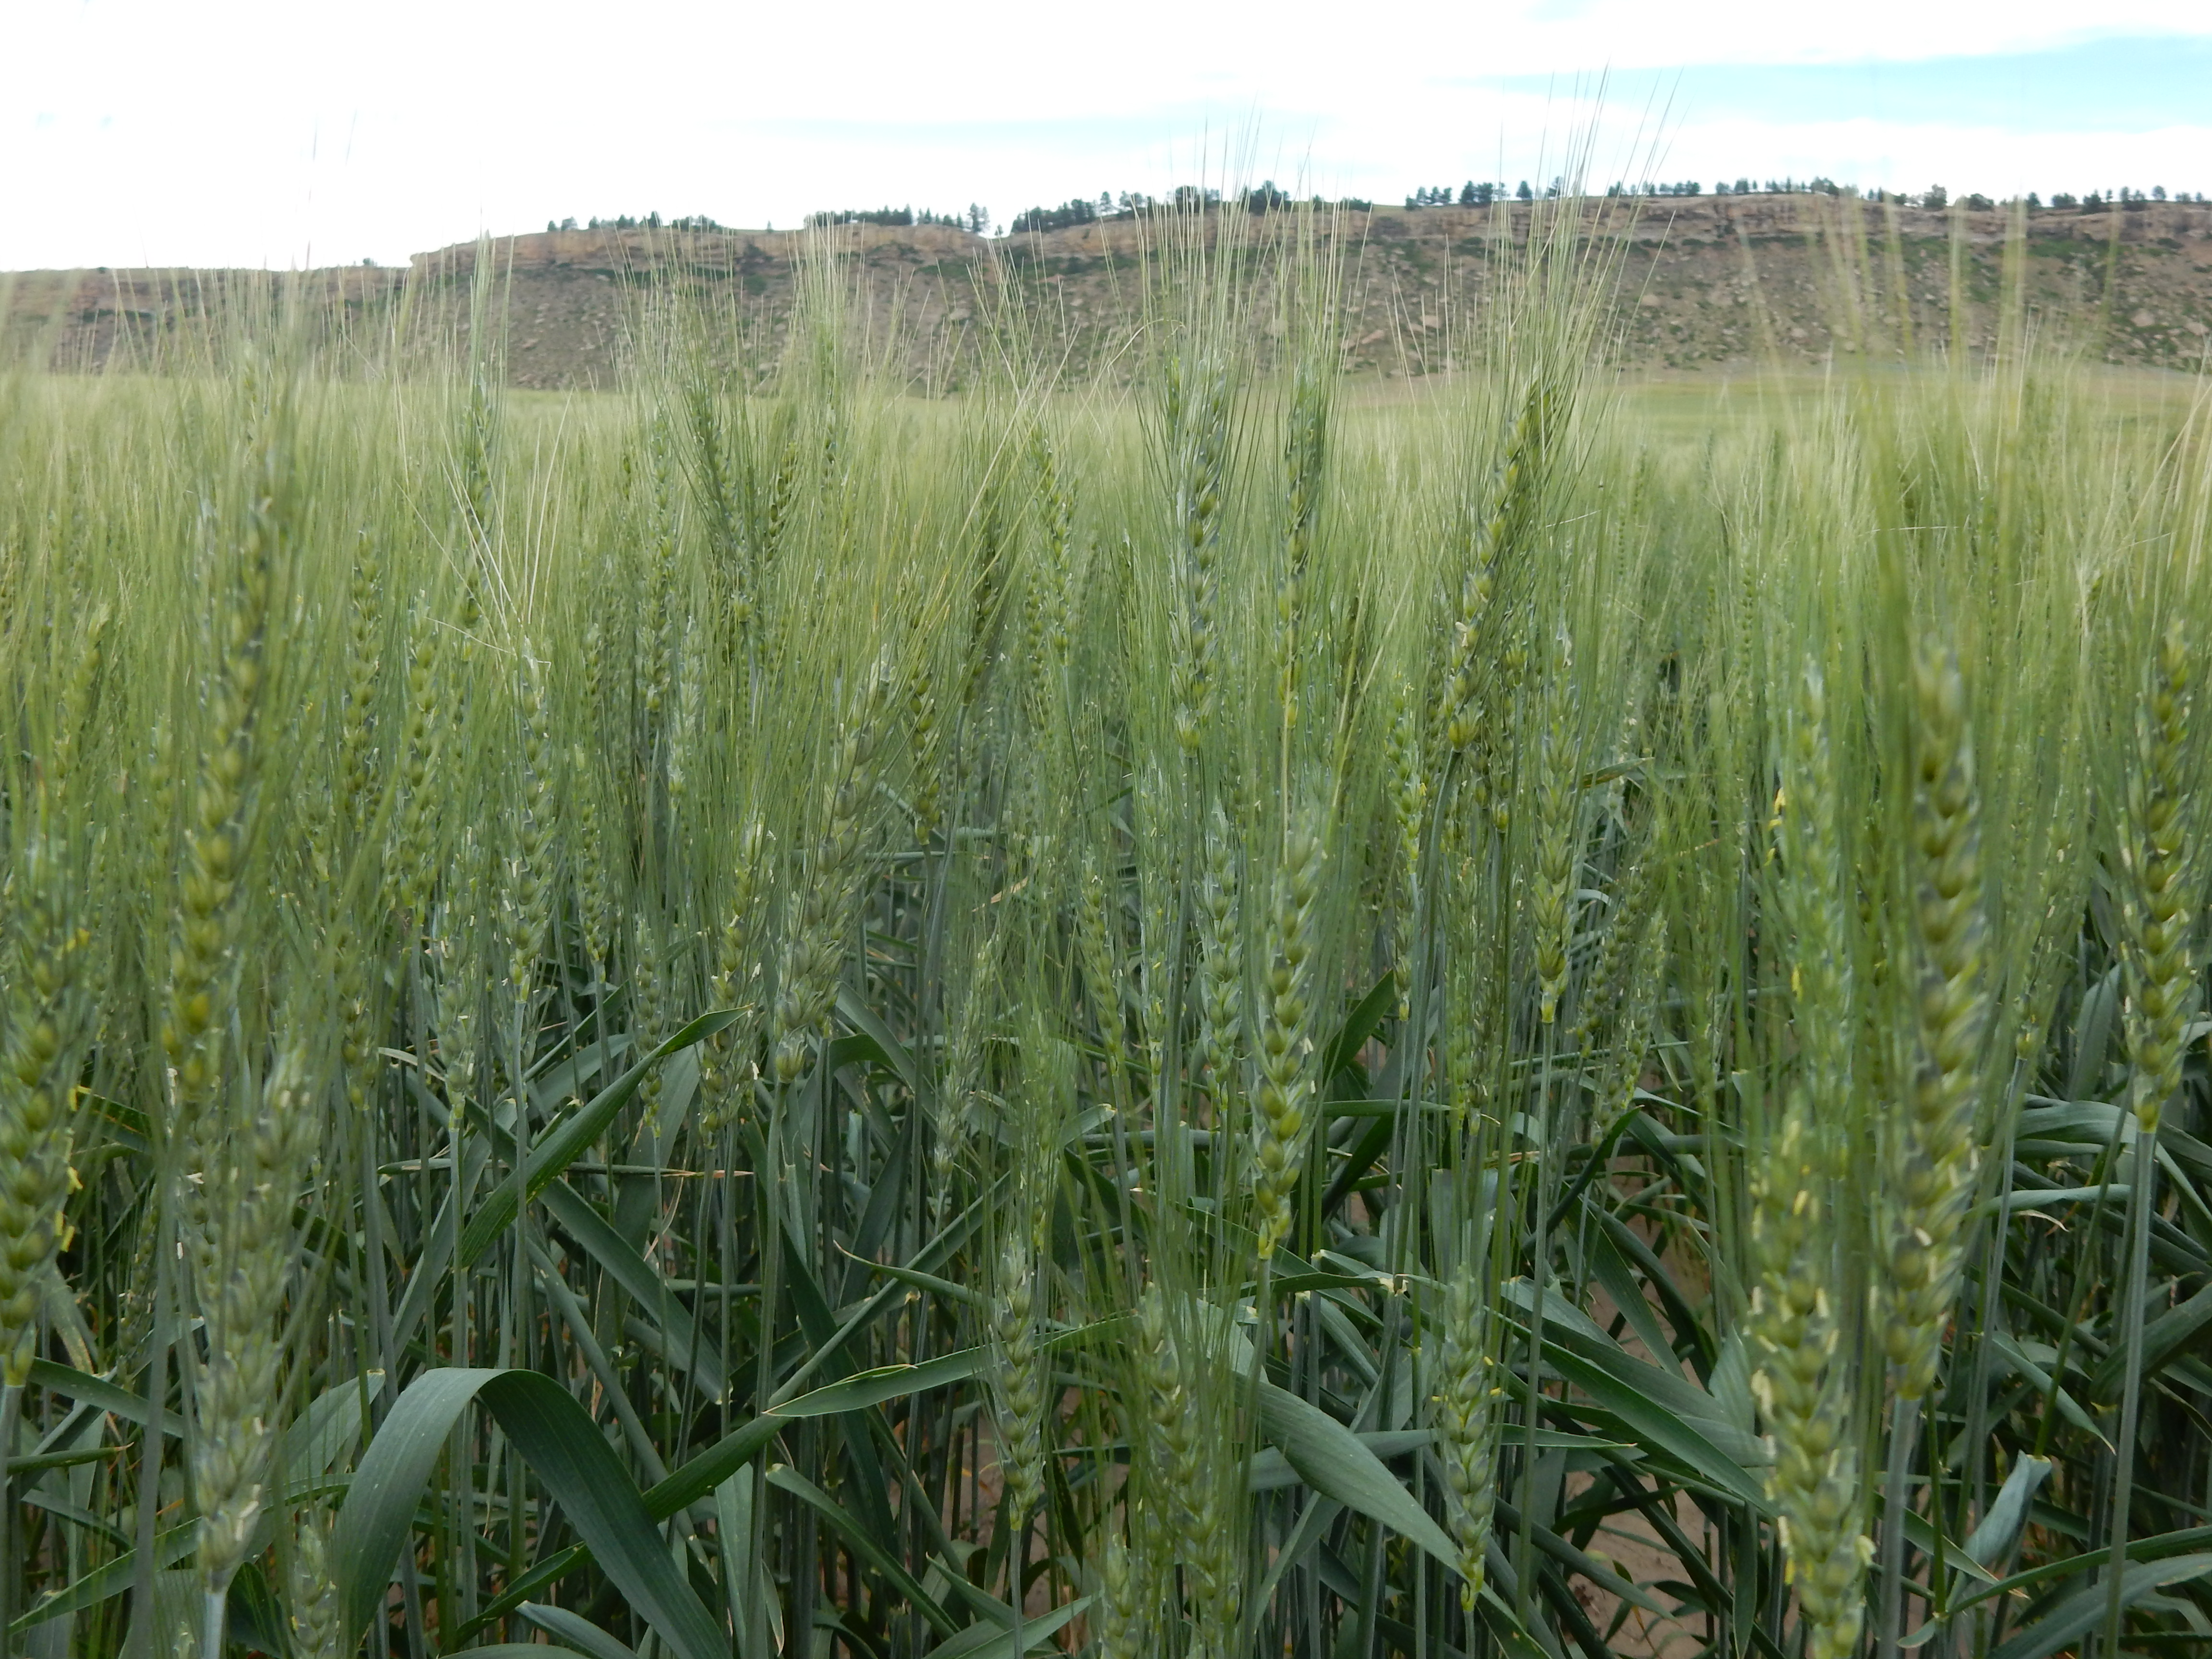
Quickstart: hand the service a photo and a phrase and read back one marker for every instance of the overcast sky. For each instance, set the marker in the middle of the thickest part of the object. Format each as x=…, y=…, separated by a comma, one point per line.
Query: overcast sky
x=283, y=132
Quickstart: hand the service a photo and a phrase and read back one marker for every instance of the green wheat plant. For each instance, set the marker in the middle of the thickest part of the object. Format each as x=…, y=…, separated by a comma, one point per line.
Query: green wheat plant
x=1180, y=1006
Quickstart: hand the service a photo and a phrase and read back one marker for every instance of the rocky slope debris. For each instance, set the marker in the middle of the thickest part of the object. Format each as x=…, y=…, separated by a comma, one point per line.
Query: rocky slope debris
x=1708, y=283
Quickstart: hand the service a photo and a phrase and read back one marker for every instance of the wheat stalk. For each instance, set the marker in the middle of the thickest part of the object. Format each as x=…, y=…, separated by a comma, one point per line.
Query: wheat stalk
x=1802, y=1376
x=1931, y=1150
x=48, y=1016
x=2158, y=956
x=253, y=1179
x=1188, y=1484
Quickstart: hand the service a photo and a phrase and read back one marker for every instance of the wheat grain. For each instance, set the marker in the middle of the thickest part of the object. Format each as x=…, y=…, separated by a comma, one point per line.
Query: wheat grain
x=529, y=896
x=1221, y=946
x=317, y=1620
x=1188, y=1485
x=364, y=656
x=2161, y=976
x=1932, y=1149
x=814, y=945
x=1559, y=828
x=46, y=1017
x=411, y=865
x=216, y=844
x=1197, y=422
x=1465, y=1398
x=1123, y=1630
x=1020, y=1379
x=726, y=1069
x=1803, y=1390
x=1409, y=807
x=1285, y=1043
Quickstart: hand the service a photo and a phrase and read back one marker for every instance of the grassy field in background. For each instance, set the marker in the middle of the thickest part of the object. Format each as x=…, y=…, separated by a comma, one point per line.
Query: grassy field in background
x=1234, y=1013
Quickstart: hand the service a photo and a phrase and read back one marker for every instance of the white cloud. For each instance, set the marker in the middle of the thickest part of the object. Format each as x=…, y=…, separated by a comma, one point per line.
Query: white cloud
x=1903, y=156
x=146, y=131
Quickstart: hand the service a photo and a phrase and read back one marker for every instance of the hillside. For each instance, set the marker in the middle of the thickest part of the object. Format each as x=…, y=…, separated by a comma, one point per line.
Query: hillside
x=1707, y=284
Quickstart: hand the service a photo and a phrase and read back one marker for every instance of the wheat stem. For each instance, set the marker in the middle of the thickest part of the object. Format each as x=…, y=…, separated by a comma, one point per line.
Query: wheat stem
x=2158, y=857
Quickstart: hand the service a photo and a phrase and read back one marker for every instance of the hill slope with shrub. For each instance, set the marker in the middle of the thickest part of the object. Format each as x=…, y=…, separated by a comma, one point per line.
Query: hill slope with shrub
x=1708, y=283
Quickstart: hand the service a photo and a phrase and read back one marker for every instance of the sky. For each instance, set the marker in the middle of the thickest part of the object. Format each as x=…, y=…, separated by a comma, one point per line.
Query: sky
x=283, y=133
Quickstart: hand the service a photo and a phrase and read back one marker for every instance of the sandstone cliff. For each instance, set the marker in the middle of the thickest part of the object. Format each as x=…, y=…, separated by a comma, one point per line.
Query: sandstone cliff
x=1705, y=284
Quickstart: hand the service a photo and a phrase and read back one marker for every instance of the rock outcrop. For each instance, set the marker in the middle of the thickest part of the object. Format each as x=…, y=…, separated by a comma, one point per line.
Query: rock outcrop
x=1703, y=284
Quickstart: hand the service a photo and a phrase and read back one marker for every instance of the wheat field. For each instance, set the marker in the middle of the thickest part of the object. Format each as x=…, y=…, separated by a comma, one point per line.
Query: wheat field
x=1201, y=1014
